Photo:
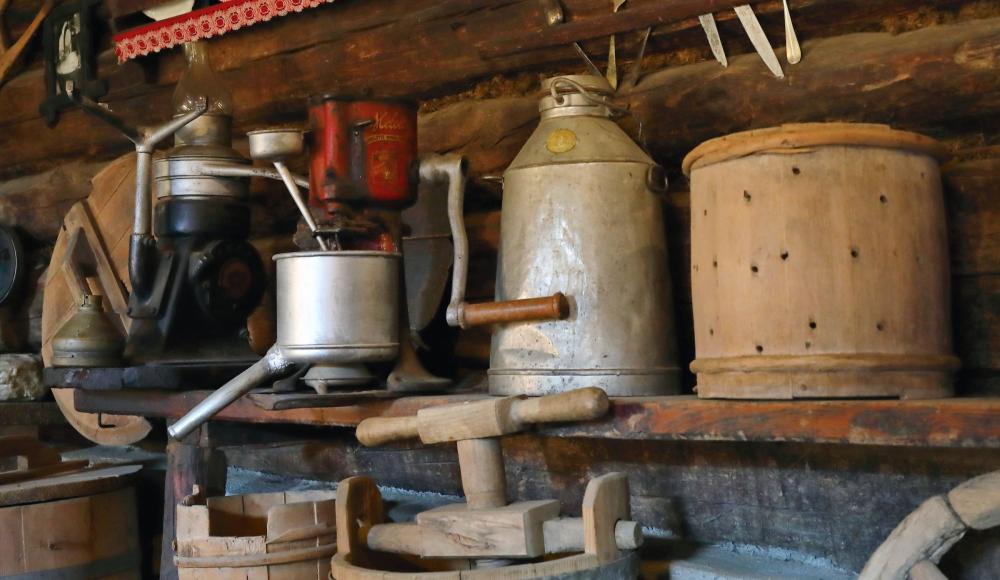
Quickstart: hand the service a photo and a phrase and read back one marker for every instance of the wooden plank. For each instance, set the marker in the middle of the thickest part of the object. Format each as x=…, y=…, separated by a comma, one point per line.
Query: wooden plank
x=61, y=486
x=641, y=16
x=385, y=60
x=933, y=423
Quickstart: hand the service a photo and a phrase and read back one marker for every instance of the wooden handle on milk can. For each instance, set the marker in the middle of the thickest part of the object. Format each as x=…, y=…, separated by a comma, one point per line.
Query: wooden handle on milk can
x=555, y=307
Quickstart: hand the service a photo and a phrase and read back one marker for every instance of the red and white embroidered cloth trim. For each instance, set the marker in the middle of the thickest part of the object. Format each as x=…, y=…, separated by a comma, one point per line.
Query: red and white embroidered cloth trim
x=207, y=22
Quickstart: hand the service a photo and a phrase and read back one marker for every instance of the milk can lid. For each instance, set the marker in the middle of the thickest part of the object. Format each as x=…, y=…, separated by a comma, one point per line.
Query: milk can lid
x=594, y=84
x=805, y=135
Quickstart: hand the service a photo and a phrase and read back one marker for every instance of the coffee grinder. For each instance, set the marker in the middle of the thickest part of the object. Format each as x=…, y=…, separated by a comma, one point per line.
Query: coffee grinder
x=363, y=171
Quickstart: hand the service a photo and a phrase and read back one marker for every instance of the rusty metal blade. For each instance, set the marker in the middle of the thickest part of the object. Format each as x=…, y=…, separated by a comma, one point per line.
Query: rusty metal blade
x=632, y=76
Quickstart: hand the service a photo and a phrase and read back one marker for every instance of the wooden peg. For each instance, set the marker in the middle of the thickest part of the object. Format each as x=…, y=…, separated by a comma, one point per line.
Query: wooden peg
x=583, y=404
x=484, y=480
x=381, y=430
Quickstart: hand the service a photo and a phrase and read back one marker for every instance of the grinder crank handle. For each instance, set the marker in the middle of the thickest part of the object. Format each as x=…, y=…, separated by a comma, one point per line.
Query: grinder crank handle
x=459, y=313
x=484, y=418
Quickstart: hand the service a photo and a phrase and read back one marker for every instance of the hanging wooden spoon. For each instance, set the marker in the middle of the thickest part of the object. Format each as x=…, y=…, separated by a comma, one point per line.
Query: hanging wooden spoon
x=793, y=52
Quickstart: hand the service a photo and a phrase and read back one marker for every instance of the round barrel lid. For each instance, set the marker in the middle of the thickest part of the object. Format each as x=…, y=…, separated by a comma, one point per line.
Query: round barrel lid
x=806, y=135
x=66, y=485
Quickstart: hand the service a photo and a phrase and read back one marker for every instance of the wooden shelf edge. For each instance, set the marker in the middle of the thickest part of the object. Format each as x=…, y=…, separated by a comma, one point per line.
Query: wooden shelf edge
x=959, y=422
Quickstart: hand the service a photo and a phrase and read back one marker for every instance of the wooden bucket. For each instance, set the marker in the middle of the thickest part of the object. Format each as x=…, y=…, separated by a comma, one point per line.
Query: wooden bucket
x=63, y=519
x=819, y=264
x=268, y=535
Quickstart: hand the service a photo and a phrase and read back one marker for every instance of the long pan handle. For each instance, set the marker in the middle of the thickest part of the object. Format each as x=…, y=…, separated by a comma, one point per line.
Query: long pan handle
x=270, y=366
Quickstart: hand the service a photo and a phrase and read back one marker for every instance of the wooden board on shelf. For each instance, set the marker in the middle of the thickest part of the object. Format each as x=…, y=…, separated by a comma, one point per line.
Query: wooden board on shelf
x=960, y=422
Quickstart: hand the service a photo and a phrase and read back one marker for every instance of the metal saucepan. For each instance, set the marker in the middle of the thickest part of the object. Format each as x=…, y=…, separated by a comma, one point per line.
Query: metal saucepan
x=333, y=308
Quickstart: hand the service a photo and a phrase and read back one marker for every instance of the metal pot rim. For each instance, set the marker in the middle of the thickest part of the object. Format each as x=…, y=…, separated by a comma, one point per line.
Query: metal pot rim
x=339, y=254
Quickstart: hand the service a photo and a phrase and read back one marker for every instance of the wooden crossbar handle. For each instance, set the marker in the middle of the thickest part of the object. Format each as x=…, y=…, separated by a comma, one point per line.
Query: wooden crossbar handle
x=555, y=307
x=584, y=404
x=380, y=430
x=484, y=418
x=566, y=535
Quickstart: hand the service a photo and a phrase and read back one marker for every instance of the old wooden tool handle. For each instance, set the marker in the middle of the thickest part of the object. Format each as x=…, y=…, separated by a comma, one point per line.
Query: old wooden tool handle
x=576, y=405
x=380, y=430
x=555, y=307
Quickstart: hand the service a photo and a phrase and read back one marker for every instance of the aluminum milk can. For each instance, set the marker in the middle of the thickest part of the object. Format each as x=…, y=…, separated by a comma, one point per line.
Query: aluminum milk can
x=582, y=216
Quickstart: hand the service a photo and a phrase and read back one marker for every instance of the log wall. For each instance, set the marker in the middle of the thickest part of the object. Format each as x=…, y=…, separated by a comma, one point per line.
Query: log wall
x=926, y=67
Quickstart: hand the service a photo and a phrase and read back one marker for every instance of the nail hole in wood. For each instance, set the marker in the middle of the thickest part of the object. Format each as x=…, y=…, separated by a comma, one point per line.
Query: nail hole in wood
x=746, y=195
x=855, y=252
x=812, y=324
x=753, y=268
x=711, y=332
x=880, y=327
x=760, y=349
x=883, y=199
x=796, y=170
x=808, y=344
x=715, y=263
x=784, y=255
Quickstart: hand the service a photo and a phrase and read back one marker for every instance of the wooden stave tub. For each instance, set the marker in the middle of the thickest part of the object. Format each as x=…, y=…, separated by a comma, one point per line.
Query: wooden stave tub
x=264, y=535
x=769, y=322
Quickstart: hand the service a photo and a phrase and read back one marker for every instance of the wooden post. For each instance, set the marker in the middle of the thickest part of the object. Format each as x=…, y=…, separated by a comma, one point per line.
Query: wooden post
x=190, y=461
x=483, y=476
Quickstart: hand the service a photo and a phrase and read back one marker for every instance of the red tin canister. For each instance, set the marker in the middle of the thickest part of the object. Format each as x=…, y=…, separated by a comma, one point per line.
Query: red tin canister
x=363, y=152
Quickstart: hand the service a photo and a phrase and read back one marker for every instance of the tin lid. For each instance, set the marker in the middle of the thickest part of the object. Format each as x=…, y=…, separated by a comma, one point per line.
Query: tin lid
x=343, y=254
x=806, y=135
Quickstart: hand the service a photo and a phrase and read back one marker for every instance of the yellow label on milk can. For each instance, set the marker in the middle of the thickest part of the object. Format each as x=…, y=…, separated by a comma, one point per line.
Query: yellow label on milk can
x=560, y=141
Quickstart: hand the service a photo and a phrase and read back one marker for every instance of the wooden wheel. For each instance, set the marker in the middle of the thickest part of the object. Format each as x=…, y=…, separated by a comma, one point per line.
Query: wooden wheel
x=913, y=549
x=101, y=225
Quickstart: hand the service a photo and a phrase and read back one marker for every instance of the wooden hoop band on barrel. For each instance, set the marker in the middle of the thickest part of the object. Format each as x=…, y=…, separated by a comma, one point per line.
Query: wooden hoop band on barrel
x=252, y=560
x=803, y=136
x=828, y=363
x=579, y=567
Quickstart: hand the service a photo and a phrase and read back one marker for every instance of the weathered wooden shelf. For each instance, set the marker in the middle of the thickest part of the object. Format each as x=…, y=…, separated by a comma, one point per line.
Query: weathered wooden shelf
x=960, y=422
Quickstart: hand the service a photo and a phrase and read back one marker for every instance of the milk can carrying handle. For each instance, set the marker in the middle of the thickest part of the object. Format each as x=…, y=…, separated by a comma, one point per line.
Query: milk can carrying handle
x=460, y=313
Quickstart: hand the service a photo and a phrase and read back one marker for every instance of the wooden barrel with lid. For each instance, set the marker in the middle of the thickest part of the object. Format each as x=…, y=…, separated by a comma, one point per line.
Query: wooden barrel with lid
x=819, y=264
x=65, y=519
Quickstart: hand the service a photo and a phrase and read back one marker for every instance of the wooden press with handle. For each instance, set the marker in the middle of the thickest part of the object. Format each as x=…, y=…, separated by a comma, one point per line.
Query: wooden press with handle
x=486, y=527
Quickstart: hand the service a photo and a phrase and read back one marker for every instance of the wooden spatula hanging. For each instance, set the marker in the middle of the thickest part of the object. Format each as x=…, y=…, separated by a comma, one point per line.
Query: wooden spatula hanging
x=10, y=56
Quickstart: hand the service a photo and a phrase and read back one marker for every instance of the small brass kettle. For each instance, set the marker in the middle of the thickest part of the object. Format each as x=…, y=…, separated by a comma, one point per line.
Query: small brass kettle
x=88, y=339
